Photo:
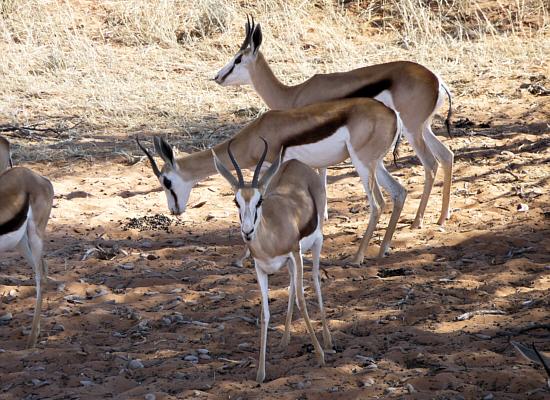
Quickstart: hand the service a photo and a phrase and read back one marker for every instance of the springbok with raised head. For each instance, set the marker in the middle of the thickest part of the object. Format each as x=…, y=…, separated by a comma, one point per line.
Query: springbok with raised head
x=25, y=203
x=409, y=88
x=281, y=217
x=319, y=135
x=5, y=154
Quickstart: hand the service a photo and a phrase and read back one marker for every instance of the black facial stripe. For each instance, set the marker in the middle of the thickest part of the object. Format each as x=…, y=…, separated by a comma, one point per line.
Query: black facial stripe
x=228, y=73
x=238, y=59
x=175, y=198
x=167, y=183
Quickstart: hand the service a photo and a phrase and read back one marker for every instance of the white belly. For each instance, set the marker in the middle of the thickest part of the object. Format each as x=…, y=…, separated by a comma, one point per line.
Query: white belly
x=10, y=240
x=329, y=151
x=307, y=242
x=271, y=265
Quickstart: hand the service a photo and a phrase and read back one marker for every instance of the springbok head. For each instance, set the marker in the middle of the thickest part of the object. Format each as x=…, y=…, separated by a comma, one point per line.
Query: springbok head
x=172, y=179
x=236, y=72
x=248, y=197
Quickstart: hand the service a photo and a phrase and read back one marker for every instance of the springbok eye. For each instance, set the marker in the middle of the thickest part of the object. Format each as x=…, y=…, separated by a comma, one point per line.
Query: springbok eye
x=167, y=183
x=259, y=203
x=238, y=59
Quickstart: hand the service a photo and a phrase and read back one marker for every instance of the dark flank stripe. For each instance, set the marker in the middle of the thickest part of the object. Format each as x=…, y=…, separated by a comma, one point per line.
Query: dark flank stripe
x=317, y=133
x=312, y=223
x=370, y=90
x=17, y=220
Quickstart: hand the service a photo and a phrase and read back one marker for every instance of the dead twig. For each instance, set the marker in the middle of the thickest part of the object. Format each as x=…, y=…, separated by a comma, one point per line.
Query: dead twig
x=468, y=315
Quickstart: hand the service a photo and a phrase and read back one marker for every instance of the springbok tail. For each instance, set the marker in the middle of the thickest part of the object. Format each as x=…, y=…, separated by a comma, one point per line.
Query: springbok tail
x=398, y=137
x=449, y=111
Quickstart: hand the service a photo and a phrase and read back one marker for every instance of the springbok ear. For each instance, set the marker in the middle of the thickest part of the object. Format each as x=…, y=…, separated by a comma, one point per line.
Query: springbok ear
x=165, y=151
x=271, y=171
x=224, y=171
x=256, y=39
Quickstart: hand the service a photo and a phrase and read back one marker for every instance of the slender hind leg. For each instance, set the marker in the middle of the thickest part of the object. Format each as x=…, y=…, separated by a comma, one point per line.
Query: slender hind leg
x=35, y=261
x=286, y=336
x=316, y=252
x=298, y=273
x=367, y=173
x=429, y=162
x=446, y=158
x=398, y=195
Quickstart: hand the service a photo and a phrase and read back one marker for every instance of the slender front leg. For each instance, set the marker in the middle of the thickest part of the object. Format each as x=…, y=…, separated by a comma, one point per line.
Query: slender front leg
x=316, y=252
x=298, y=273
x=35, y=262
x=263, y=283
x=289, y=311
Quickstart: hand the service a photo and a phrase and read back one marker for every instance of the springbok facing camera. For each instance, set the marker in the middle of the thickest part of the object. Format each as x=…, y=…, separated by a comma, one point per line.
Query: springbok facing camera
x=319, y=135
x=25, y=203
x=281, y=217
x=5, y=154
x=409, y=88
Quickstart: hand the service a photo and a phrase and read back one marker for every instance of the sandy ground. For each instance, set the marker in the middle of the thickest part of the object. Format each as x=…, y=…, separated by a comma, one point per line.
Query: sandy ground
x=161, y=311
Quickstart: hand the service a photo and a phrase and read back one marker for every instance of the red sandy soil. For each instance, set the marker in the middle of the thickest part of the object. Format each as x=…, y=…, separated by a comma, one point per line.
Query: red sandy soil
x=159, y=295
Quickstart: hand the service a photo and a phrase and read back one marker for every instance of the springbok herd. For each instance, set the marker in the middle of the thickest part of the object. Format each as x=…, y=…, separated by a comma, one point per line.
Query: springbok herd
x=359, y=114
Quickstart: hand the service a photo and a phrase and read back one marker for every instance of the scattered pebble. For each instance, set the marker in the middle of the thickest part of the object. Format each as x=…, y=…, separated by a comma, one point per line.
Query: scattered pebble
x=58, y=328
x=191, y=358
x=410, y=388
x=127, y=267
x=6, y=318
x=203, y=351
x=204, y=357
x=489, y=396
x=522, y=207
x=135, y=364
x=150, y=396
x=86, y=383
x=390, y=390
x=367, y=382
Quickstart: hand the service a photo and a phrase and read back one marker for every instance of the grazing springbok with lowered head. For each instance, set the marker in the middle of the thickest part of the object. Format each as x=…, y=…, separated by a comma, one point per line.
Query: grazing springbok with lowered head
x=319, y=135
x=5, y=154
x=25, y=203
x=409, y=88
x=281, y=217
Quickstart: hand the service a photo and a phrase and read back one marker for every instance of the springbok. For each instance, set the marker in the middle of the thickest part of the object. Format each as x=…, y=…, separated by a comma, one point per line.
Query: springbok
x=281, y=218
x=25, y=203
x=319, y=135
x=5, y=154
x=409, y=88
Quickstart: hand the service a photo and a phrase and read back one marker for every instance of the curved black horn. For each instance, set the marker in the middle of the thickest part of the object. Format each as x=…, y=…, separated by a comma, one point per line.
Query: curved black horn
x=234, y=162
x=256, y=176
x=150, y=157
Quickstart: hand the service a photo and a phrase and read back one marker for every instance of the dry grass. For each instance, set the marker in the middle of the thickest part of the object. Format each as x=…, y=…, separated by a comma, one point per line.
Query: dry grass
x=133, y=66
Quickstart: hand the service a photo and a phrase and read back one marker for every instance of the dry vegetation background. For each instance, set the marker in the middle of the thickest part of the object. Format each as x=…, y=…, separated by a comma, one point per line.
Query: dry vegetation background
x=86, y=76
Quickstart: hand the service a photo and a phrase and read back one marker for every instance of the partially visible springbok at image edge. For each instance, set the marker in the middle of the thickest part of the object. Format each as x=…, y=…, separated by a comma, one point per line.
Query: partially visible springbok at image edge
x=26, y=200
x=407, y=87
x=5, y=154
x=281, y=217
